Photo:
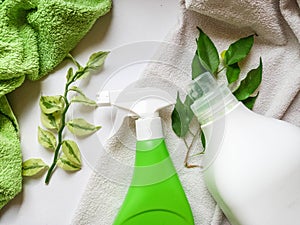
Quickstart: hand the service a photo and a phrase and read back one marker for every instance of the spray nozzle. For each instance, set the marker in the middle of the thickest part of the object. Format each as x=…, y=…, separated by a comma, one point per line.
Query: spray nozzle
x=139, y=102
x=143, y=103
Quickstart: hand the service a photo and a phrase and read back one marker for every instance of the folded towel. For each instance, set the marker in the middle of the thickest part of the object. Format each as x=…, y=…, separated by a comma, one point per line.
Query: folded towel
x=35, y=36
x=10, y=154
x=278, y=44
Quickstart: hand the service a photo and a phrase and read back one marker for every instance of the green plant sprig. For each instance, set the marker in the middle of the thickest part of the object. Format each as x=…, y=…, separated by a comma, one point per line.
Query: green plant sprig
x=53, y=117
x=189, y=147
x=207, y=59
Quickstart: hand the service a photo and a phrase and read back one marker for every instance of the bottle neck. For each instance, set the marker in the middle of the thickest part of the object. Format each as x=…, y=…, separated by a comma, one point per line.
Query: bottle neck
x=149, y=128
x=214, y=105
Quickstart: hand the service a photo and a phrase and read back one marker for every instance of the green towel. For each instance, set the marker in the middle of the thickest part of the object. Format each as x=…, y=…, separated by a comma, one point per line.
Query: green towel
x=35, y=36
x=10, y=154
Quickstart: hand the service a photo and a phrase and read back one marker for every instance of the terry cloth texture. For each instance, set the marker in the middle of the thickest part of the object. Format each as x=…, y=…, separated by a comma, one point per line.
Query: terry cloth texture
x=35, y=36
x=277, y=25
x=10, y=154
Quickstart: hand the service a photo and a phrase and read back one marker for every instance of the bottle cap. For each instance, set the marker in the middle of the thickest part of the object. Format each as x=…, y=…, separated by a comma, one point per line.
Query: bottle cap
x=210, y=99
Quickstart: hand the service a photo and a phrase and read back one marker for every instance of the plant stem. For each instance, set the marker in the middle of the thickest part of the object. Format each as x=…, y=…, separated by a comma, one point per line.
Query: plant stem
x=220, y=70
x=186, y=163
x=59, y=133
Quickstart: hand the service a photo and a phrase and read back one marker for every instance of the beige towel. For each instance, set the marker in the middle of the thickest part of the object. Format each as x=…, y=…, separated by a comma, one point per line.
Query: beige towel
x=277, y=25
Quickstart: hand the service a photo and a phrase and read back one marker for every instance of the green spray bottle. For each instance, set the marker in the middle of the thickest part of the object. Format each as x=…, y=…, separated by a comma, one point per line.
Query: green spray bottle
x=155, y=196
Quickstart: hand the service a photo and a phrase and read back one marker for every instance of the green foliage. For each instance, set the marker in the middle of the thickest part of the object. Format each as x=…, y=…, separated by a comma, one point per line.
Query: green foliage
x=70, y=74
x=249, y=102
x=51, y=121
x=250, y=83
x=207, y=53
x=71, y=151
x=238, y=50
x=46, y=139
x=197, y=67
x=64, y=163
x=32, y=167
x=81, y=98
x=53, y=117
x=80, y=127
x=94, y=63
x=51, y=104
x=203, y=140
x=233, y=72
x=96, y=60
x=207, y=59
x=182, y=116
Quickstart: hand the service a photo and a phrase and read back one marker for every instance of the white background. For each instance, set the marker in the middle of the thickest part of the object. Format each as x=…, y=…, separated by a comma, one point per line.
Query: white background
x=39, y=204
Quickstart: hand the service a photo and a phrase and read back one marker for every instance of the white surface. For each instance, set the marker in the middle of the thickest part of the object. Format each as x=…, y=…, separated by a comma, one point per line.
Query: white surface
x=38, y=204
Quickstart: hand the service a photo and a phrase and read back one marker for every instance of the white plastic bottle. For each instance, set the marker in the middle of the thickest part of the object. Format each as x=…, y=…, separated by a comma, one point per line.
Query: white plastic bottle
x=251, y=163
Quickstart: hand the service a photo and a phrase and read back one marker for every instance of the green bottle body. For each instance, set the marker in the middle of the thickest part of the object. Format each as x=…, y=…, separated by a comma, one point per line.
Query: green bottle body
x=155, y=196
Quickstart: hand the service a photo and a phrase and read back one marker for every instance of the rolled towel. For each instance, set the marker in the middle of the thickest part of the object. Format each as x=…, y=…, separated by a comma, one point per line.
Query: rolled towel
x=10, y=154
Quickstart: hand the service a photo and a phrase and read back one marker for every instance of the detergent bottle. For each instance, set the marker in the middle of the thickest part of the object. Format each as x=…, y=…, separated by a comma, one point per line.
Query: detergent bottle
x=252, y=162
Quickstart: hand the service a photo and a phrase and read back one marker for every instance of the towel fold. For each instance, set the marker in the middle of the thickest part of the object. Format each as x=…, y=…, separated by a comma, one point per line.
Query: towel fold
x=10, y=154
x=262, y=17
x=277, y=24
x=35, y=36
x=291, y=12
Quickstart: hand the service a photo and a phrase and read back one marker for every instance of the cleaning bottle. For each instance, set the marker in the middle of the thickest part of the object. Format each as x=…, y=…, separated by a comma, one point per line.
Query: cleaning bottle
x=155, y=196
x=251, y=163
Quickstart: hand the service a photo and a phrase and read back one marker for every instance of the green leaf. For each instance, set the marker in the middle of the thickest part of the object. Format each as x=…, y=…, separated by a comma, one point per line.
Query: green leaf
x=80, y=127
x=203, y=140
x=51, y=104
x=182, y=116
x=250, y=83
x=81, y=98
x=52, y=120
x=94, y=63
x=238, y=50
x=250, y=101
x=33, y=167
x=197, y=67
x=233, y=72
x=70, y=75
x=96, y=60
x=71, y=151
x=84, y=100
x=64, y=163
x=207, y=52
x=76, y=89
x=46, y=139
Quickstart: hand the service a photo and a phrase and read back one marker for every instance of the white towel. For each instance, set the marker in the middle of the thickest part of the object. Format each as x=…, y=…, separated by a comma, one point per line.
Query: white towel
x=277, y=25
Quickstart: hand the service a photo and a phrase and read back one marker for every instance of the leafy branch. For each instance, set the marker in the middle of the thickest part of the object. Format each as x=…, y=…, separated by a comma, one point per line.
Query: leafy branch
x=207, y=59
x=54, y=111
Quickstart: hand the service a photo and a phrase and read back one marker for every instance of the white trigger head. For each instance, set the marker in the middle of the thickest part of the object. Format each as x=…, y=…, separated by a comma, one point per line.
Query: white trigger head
x=142, y=103
x=139, y=102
